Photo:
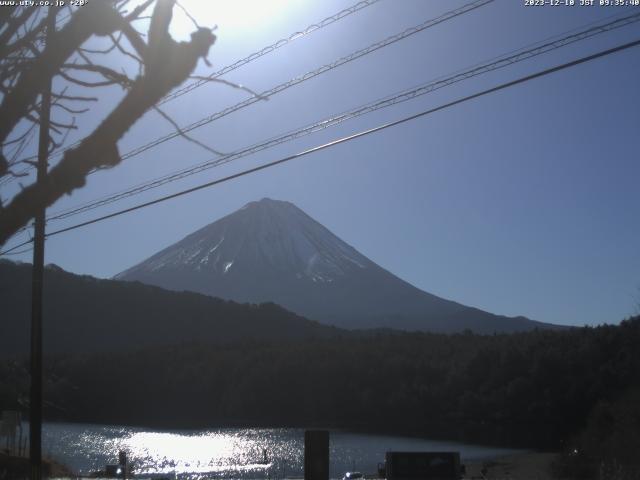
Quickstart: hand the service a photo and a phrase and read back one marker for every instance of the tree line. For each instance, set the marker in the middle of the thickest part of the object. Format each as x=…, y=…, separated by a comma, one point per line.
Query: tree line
x=540, y=389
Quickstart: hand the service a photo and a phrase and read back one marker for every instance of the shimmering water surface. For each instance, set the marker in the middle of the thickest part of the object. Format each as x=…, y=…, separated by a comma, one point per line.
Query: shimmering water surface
x=228, y=452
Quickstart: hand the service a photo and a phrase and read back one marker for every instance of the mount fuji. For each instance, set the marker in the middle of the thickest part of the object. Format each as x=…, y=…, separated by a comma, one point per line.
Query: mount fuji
x=271, y=251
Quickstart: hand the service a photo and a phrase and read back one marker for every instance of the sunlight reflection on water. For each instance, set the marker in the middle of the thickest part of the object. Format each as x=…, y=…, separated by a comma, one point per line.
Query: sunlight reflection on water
x=227, y=453
x=211, y=453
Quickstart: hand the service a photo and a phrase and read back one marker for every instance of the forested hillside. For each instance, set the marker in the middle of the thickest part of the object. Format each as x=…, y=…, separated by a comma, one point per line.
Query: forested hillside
x=87, y=314
x=533, y=389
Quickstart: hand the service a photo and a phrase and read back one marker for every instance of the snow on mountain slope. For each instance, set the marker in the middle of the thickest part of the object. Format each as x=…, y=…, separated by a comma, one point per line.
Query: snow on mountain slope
x=264, y=234
x=271, y=251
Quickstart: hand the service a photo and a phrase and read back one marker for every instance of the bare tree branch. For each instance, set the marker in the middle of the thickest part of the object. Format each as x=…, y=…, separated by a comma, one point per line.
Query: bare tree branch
x=106, y=72
x=101, y=52
x=97, y=18
x=74, y=111
x=167, y=64
x=231, y=84
x=27, y=39
x=189, y=16
x=74, y=98
x=135, y=14
x=184, y=134
x=14, y=24
x=84, y=83
x=116, y=42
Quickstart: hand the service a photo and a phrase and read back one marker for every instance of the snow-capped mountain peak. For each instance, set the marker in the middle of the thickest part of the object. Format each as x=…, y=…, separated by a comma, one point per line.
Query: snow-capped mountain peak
x=271, y=251
x=263, y=234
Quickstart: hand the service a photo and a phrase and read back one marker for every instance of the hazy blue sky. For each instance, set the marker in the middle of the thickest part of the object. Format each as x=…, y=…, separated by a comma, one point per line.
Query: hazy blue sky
x=523, y=202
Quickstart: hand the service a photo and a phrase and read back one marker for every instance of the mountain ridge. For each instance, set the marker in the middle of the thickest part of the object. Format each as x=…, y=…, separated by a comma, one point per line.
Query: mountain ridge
x=270, y=250
x=84, y=314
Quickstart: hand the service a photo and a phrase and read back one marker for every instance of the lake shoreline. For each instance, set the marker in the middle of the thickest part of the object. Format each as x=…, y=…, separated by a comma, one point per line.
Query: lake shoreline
x=234, y=452
x=477, y=438
x=20, y=466
x=526, y=465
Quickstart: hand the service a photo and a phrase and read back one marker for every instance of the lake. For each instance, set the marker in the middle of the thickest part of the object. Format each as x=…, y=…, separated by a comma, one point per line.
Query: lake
x=229, y=452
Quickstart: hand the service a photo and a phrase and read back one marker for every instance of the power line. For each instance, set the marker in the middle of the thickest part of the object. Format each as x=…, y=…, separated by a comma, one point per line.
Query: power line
x=26, y=250
x=237, y=64
x=309, y=75
x=270, y=48
x=349, y=138
x=15, y=247
x=500, y=62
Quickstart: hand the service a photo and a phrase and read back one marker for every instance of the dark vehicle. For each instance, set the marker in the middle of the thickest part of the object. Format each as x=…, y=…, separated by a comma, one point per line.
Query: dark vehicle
x=353, y=476
x=423, y=466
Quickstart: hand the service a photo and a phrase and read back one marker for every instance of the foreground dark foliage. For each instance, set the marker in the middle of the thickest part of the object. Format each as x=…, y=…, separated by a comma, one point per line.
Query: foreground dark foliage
x=607, y=449
x=28, y=64
x=534, y=389
x=85, y=314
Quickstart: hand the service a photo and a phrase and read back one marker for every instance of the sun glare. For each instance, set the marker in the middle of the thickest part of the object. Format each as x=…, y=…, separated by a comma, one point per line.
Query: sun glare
x=165, y=452
x=235, y=16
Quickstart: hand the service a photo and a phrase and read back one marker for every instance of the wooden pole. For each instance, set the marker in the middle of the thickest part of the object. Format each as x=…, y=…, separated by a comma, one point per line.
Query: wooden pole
x=35, y=406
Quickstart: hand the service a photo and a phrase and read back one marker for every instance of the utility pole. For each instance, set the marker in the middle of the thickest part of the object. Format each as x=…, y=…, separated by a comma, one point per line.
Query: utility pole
x=35, y=404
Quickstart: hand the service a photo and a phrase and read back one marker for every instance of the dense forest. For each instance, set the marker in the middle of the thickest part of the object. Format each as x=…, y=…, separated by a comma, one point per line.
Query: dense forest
x=542, y=389
x=117, y=357
x=87, y=314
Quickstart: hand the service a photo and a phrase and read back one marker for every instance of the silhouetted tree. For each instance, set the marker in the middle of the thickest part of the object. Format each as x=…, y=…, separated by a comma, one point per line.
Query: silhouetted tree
x=27, y=62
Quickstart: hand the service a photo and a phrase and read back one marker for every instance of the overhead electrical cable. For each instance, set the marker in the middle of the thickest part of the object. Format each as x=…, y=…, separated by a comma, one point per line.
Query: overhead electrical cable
x=348, y=138
x=309, y=75
x=238, y=63
x=406, y=95
x=312, y=74
x=270, y=48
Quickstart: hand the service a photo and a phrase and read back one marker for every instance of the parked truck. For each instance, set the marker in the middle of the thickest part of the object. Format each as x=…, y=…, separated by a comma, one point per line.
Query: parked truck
x=422, y=466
